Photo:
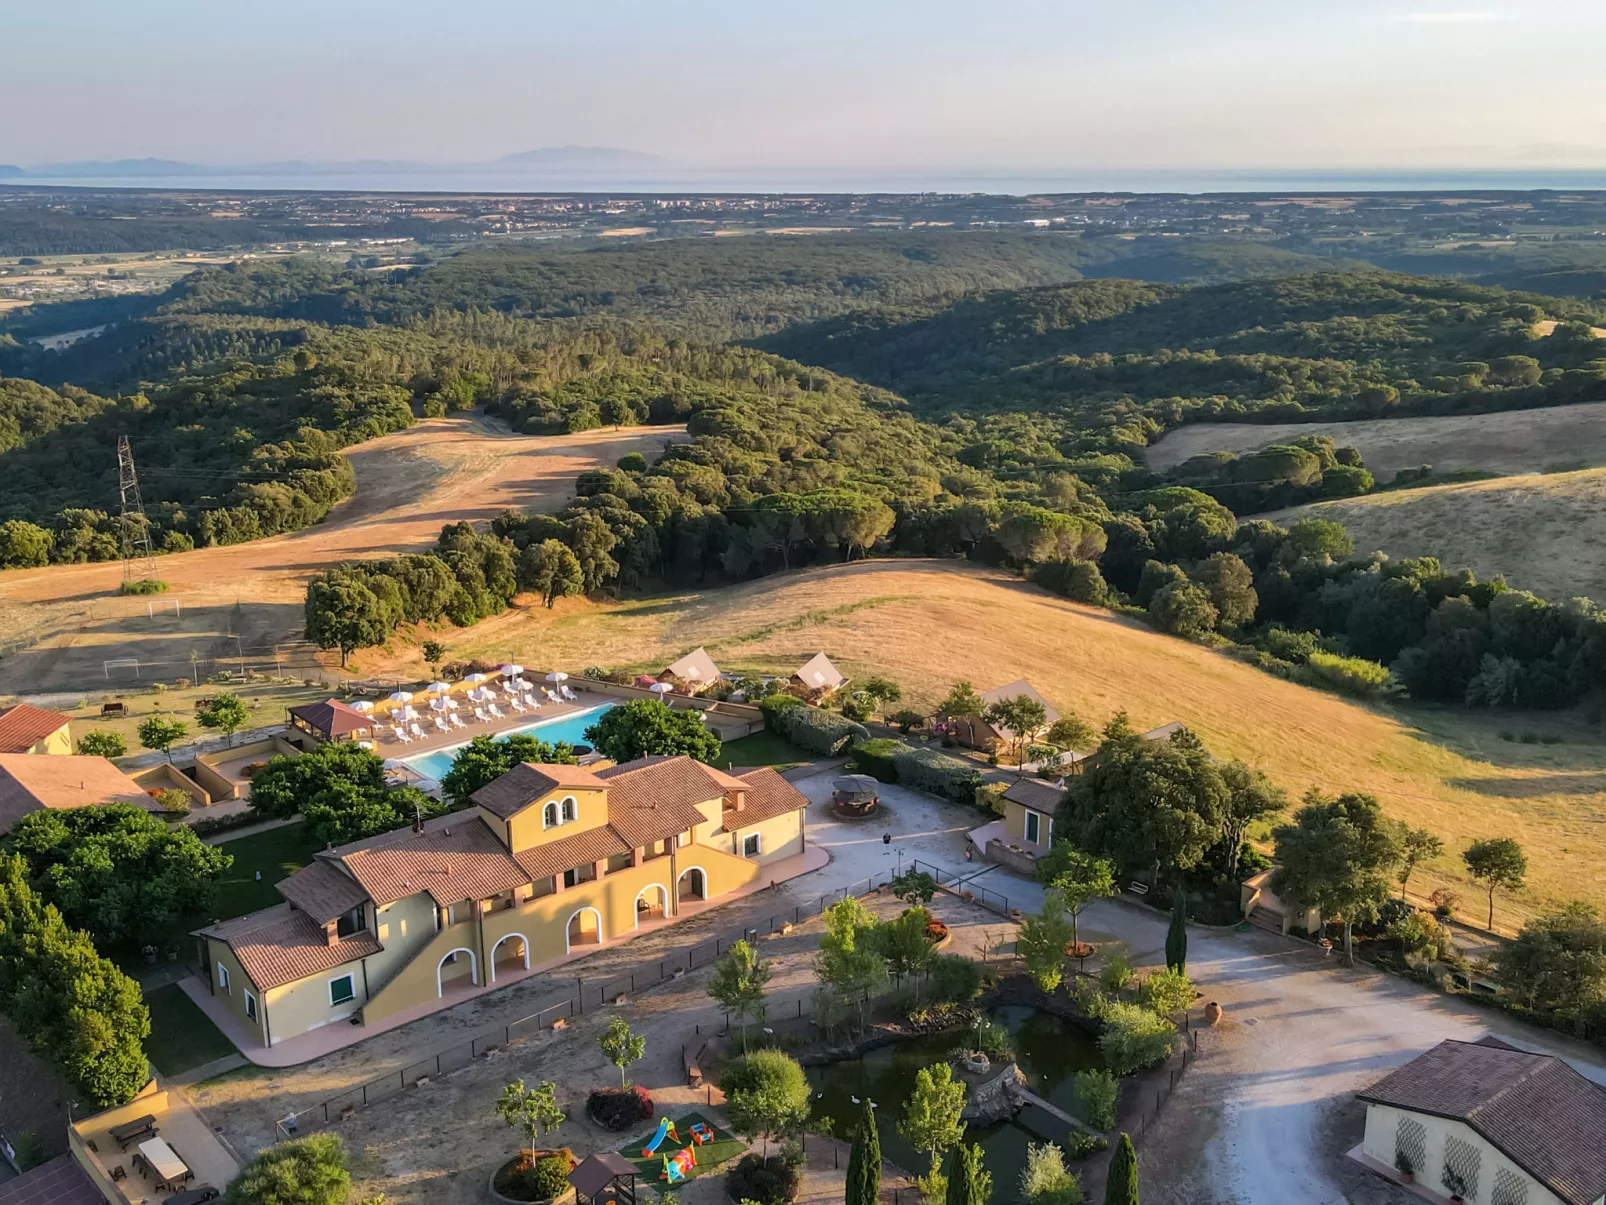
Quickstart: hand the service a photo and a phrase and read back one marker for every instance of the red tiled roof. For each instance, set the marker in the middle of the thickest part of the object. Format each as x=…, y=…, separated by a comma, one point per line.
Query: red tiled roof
x=655, y=797
x=29, y=782
x=280, y=945
x=768, y=796
x=334, y=718
x=554, y=857
x=322, y=890
x=456, y=857
x=24, y=726
x=528, y=782
x=1543, y=1115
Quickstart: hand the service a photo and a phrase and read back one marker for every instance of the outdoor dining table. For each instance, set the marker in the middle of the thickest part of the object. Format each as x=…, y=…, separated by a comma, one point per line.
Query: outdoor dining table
x=169, y=1168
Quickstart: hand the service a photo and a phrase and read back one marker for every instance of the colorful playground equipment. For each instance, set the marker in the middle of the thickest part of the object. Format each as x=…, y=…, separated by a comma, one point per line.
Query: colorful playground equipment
x=678, y=1166
x=701, y=1133
x=666, y=1129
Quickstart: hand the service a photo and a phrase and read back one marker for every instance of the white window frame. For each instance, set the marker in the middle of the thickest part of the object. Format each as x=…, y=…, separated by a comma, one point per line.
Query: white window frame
x=350, y=981
x=223, y=980
x=568, y=810
x=250, y=1005
x=758, y=844
x=1044, y=824
x=551, y=815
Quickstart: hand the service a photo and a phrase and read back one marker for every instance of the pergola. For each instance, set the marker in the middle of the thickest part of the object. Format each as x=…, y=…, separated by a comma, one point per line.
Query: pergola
x=606, y=1178
x=331, y=721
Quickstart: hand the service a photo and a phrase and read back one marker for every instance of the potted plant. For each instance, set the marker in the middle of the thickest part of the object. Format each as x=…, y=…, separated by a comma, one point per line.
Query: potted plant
x=1403, y=1165
x=1454, y=1184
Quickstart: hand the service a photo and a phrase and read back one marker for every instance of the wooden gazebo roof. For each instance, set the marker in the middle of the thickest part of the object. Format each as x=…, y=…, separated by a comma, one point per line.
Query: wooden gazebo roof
x=333, y=718
x=600, y=1172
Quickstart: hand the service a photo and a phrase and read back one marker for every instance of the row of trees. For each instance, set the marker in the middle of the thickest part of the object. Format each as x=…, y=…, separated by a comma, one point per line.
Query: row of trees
x=339, y=788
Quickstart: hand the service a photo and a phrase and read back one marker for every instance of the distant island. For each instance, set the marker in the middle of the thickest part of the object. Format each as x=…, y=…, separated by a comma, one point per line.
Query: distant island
x=535, y=162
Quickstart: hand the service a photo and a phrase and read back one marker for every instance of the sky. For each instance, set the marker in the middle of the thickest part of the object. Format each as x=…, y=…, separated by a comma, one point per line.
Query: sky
x=1067, y=85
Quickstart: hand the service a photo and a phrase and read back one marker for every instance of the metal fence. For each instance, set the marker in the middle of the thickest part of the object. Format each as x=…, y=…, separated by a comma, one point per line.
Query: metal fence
x=1164, y=1088
x=585, y=996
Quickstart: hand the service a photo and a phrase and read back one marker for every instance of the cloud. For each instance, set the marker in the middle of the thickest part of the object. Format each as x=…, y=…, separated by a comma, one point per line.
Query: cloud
x=1448, y=18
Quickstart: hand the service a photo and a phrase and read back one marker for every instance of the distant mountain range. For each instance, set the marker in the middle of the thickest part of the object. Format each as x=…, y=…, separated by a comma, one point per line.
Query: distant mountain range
x=547, y=160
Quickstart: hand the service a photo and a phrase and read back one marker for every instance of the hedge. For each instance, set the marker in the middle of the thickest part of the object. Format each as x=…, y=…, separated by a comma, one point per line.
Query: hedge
x=937, y=774
x=817, y=731
x=875, y=758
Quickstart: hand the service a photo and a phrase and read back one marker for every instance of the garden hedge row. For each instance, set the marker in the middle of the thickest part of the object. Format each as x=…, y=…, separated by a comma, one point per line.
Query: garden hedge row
x=814, y=730
x=874, y=757
x=937, y=774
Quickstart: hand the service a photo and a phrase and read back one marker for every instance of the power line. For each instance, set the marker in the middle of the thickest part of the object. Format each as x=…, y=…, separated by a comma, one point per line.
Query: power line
x=139, y=561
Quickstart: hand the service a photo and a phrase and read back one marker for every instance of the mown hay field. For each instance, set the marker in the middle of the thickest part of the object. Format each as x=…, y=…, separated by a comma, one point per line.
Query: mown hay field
x=927, y=623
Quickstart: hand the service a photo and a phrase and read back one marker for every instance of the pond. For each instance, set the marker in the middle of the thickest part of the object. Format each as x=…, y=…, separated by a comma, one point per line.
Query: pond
x=1050, y=1051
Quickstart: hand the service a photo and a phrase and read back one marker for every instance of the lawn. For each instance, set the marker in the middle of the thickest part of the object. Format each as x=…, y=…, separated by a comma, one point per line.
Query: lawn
x=762, y=749
x=926, y=623
x=182, y=1036
x=277, y=853
x=725, y=1147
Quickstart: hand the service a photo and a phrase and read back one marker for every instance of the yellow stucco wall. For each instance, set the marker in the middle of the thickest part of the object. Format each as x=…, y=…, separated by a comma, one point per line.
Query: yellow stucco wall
x=297, y=1007
x=415, y=982
x=779, y=837
x=239, y=984
x=523, y=830
x=404, y=928
x=59, y=741
x=1015, y=827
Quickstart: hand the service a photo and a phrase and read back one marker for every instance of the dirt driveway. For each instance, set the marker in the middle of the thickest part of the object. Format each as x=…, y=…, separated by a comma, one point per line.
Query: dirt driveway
x=409, y=485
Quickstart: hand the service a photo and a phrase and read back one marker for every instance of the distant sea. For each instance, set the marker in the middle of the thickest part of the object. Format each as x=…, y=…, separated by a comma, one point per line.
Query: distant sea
x=851, y=180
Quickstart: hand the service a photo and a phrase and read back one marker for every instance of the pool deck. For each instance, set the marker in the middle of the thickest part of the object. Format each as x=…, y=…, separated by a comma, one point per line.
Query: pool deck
x=434, y=740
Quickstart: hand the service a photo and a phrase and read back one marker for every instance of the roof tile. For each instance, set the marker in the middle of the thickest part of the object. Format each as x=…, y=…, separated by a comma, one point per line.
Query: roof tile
x=24, y=726
x=280, y=945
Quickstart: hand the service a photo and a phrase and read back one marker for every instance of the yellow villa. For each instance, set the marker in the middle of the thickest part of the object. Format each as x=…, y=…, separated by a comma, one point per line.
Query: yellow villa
x=28, y=729
x=550, y=860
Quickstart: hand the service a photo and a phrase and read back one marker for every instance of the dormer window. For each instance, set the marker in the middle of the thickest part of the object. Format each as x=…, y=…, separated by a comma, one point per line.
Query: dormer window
x=549, y=816
x=351, y=922
x=571, y=810
x=556, y=813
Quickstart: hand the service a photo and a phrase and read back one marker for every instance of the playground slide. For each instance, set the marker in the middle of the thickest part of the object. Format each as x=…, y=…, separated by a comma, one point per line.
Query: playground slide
x=666, y=1129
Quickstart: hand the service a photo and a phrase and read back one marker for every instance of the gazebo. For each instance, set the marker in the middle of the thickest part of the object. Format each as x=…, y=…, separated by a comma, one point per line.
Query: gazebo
x=331, y=721
x=606, y=1178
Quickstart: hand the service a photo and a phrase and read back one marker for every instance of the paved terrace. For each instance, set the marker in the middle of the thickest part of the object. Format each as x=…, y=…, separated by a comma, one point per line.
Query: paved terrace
x=177, y=1123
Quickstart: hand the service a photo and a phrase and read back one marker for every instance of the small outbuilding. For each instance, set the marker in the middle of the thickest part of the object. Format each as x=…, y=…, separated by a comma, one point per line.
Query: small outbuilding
x=855, y=794
x=29, y=729
x=819, y=677
x=332, y=720
x=606, y=1178
x=978, y=733
x=1485, y=1122
x=694, y=672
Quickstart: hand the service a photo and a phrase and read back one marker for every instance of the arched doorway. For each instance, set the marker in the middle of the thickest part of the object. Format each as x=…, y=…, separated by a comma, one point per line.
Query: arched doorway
x=652, y=903
x=692, y=884
x=456, y=969
x=584, y=929
x=510, y=954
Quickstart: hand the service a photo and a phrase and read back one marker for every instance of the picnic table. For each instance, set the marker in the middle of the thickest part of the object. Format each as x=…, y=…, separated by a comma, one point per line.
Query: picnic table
x=130, y=1130
x=194, y=1196
x=164, y=1161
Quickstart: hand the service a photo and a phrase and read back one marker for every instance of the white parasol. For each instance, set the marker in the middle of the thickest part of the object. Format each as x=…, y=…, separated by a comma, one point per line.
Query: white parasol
x=511, y=671
x=362, y=705
x=402, y=696
x=557, y=675
x=476, y=679
x=436, y=688
x=660, y=688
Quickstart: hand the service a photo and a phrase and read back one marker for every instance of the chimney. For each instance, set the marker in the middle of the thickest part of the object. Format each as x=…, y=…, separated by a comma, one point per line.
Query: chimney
x=331, y=934
x=741, y=800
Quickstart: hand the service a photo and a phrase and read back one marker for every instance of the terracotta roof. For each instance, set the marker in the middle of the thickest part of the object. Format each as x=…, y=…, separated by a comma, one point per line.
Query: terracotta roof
x=24, y=726
x=817, y=673
x=59, y=1182
x=1014, y=690
x=1538, y=1111
x=695, y=666
x=334, y=718
x=323, y=891
x=456, y=857
x=1034, y=793
x=280, y=945
x=529, y=781
x=554, y=857
x=768, y=796
x=596, y=1172
x=656, y=797
x=29, y=782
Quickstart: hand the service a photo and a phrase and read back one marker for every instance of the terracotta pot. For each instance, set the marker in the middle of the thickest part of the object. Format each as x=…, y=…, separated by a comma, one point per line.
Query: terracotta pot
x=1212, y=1013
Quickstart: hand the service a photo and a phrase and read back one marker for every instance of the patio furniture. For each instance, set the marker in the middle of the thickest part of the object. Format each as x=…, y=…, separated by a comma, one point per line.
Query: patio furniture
x=457, y=721
x=479, y=714
x=553, y=695
x=107, y=709
x=118, y=1172
x=496, y=712
x=568, y=694
x=130, y=1130
x=418, y=733
x=440, y=724
x=516, y=705
x=401, y=734
x=169, y=1170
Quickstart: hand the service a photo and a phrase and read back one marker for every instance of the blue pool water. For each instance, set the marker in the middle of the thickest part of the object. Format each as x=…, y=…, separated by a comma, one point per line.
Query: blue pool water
x=570, y=728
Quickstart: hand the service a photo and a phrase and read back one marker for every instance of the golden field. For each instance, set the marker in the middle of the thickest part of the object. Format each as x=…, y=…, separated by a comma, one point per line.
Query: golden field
x=927, y=623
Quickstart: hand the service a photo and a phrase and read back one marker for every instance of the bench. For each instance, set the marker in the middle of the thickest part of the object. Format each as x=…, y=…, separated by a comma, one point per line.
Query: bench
x=138, y=1128
x=1137, y=888
x=113, y=709
x=691, y=1058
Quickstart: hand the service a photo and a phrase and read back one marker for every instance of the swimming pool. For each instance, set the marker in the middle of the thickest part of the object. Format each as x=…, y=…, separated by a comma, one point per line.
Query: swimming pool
x=569, y=728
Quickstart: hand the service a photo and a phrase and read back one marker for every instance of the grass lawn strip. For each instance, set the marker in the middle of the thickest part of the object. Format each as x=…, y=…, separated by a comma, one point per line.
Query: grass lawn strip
x=762, y=749
x=723, y=1149
x=182, y=1036
x=277, y=853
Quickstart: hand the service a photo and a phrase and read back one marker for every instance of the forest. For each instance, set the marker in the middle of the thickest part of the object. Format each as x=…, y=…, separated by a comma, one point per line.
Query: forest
x=882, y=393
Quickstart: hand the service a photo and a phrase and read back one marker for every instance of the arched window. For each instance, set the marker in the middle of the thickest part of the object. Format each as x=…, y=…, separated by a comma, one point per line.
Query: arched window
x=570, y=812
x=549, y=816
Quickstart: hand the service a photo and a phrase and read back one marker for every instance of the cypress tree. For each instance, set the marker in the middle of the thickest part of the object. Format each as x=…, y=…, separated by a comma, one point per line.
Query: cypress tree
x=968, y=1184
x=864, y=1161
x=1176, y=937
x=1122, y=1186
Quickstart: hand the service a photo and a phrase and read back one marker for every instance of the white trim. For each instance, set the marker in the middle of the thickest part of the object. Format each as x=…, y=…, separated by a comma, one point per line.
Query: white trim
x=635, y=912
x=473, y=969
x=498, y=946
x=1031, y=815
x=330, y=983
x=686, y=872
x=223, y=979
x=568, y=810
x=567, y=948
x=551, y=806
x=251, y=1008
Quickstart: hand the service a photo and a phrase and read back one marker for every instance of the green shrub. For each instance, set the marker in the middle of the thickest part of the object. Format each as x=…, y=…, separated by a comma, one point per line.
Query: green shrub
x=954, y=979
x=1134, y=1038
x=1081, y=1144
x=102, y=744
x=937, y=774
x=993, y=1040
x=1096, y=1093
x=148, y=585
x=816, y=731
x=547, y=1177
x=874, y=757
x=1166, y=992
x=1351, y=676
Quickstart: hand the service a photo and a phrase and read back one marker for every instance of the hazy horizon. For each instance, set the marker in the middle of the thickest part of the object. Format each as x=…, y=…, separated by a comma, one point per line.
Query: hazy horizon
x=951, y=86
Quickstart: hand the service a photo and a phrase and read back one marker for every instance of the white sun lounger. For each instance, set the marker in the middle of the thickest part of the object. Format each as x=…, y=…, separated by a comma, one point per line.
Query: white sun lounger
x=516, y=705
x=418, y=733
x=401, y=734
x=535, y=703
x=457, y=720
x=441, y=724
x=567, y=693
x=479, y=714
x=553, y=695
x=496, y=712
